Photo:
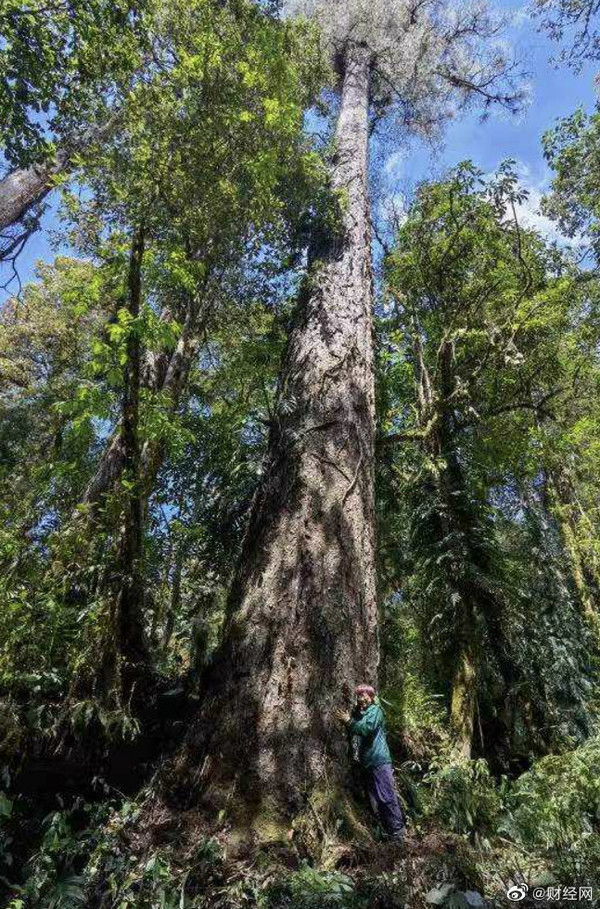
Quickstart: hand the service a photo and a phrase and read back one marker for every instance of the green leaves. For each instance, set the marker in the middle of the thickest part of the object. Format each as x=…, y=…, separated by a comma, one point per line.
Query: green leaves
x=310, y=888
x=486, y=358
x=572, y=149
x=59, y=62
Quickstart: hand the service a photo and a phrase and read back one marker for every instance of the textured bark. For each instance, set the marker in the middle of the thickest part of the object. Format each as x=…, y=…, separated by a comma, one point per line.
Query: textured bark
x=302, y=625
x=562, y=505
x=26, y=187
x=108, y=472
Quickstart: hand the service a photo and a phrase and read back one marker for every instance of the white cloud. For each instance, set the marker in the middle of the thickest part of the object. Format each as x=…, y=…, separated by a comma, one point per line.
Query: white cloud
x=394, y=165
x=529, y=212
x=393, y=212
x=530, y=215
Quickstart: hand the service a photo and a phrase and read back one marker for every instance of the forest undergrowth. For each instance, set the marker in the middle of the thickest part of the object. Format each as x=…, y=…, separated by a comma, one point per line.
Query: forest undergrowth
x=471, y=836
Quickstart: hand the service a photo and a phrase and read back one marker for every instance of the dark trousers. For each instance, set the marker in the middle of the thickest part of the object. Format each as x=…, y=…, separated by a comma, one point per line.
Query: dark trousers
x=384, y=800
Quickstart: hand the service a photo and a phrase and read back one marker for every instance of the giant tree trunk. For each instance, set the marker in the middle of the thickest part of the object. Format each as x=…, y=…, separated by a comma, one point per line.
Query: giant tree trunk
x=302, y=625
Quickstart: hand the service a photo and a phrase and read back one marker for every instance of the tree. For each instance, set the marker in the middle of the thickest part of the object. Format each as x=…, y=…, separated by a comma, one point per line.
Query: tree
x=228, y=68
x=229, y=98
x=63, y=583
x=302, y=617
x=127, y=652
x=478, y=302
x=572, y=148
x=46, y=351
x=573, y=20
x=66, y=68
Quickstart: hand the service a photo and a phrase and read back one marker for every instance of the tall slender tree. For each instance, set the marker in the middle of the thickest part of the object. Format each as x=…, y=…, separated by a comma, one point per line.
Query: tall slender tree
x=200, y=238
x=127, y=625
x=302, y=621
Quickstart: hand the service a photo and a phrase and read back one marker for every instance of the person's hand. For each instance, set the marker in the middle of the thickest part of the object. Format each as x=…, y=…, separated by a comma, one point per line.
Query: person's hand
x=343, y=716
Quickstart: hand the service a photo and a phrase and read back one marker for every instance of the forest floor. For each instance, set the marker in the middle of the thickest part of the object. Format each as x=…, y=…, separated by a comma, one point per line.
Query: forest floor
x=119, y=833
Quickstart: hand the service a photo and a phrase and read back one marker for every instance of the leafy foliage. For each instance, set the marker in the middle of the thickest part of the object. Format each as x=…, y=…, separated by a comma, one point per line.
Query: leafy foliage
x=487, y=463
x=489, y=324
x=56, y=58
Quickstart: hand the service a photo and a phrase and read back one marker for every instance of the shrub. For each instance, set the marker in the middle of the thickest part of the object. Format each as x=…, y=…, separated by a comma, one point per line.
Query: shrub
x=313, y=889
x=555, y=808
x=465, y=798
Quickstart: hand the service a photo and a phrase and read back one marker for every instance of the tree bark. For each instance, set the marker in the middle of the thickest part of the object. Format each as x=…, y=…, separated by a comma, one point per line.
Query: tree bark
x=166, y=374
x=470, y=606
x=464, y=697
x=561, y=503
x=130, y=650
x=24, y=188
x=302, y=622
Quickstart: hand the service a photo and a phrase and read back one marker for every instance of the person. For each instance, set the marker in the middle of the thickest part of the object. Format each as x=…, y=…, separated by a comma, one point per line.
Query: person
x=367, y=724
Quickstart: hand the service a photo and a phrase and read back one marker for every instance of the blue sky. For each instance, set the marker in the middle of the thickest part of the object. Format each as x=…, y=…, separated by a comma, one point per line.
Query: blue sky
x=554, y=93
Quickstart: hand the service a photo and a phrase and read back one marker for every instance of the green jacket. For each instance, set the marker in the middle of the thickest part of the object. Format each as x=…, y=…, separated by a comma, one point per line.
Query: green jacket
x=369, y=727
